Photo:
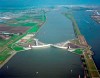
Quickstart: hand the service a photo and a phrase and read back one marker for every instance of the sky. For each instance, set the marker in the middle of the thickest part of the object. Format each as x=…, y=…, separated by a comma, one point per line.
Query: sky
x=16, y=3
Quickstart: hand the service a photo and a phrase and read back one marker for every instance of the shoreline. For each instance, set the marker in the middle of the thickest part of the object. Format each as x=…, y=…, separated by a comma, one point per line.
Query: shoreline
x=14, y=52
x=7, y=60
x=41, y=26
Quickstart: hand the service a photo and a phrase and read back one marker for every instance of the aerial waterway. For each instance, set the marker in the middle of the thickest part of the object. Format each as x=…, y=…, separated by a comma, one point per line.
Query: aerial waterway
x=47, y=62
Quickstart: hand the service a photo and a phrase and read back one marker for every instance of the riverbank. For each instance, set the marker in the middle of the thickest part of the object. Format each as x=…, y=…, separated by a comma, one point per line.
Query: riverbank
x=75, y=26
x=13, y=53
x=92, y=71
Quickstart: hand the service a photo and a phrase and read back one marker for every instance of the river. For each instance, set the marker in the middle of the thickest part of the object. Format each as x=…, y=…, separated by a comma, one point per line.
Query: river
x=48, y=62
x=56, y=29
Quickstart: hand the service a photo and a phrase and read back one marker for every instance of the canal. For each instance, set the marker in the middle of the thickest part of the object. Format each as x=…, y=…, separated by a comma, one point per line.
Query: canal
x=48, y=62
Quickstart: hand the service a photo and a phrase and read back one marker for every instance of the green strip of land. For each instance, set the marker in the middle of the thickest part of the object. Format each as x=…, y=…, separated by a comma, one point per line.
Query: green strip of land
x=75, y=26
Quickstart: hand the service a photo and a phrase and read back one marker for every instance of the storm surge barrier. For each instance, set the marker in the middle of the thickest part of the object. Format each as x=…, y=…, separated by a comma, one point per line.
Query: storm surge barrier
x=62, y=45
x=66, y=45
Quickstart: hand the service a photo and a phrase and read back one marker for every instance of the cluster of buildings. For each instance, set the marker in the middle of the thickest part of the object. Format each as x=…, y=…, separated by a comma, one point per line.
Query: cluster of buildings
x=96, y=16
x=5, y=37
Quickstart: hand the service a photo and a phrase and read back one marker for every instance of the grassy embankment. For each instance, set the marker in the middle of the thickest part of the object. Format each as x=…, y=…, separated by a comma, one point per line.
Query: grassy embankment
x=90, y=66
x=76, y=31
x=6, y=46
x=75, y=26
x=78, y=51
x=4, y=55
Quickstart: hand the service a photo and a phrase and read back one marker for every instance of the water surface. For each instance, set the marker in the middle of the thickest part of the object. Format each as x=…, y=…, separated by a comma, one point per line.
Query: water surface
x=50, y=63
x=56, y=29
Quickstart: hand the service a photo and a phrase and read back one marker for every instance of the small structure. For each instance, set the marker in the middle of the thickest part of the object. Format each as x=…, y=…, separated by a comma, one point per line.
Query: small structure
x=5, y=37
x=23, y=40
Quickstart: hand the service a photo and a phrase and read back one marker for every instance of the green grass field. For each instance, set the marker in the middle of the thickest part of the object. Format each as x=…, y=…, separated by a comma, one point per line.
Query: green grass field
x=18, y=48
x=33, y=29
x=78, y=51
x=4, y=55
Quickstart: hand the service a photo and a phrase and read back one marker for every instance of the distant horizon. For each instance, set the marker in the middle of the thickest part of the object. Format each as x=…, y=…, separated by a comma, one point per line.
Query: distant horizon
x=47, y=6
x=41, y=3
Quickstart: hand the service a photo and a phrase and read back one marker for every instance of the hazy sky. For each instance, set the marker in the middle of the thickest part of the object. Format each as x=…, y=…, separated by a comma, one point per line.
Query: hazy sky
x=45, y=2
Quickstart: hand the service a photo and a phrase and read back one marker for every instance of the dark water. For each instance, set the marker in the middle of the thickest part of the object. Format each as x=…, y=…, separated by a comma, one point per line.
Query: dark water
x=50, y=63
x=91, y=30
